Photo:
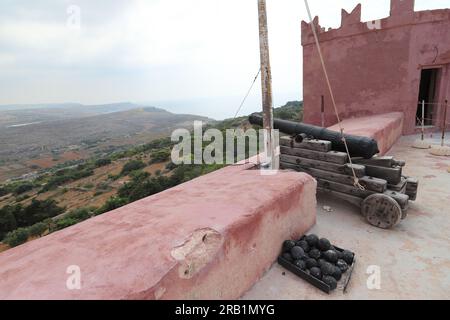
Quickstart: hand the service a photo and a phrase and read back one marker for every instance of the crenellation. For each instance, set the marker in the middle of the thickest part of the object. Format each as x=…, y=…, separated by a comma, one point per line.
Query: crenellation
x=402, y=13
x=348, y=19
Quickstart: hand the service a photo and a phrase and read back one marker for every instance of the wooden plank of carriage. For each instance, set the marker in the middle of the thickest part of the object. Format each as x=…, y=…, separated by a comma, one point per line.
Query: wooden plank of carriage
x=309, y=144
x=352, y=199
x=359, y=170
x=370, y=183
x=330, y=156
x=391, y=175
x=384, y=161
x=401, y=199
x=412, y=185
x=400, y=187
x=344, y=188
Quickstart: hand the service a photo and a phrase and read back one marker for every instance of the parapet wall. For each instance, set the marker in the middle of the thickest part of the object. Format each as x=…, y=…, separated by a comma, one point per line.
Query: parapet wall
x=210, y=238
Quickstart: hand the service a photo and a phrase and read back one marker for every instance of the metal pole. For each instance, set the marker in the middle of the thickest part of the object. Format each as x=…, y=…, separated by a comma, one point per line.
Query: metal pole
x=443, y=123
x=423, y=120
x=266, y=82
x=323, y=111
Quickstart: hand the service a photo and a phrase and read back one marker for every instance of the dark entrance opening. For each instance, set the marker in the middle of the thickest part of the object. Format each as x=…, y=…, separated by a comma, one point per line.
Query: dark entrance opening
x=427, y=93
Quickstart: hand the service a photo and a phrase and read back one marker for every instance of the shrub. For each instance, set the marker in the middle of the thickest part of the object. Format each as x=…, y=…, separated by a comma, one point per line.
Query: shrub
x=64, y=223
x=133, y=165
x=7, y=221
x=16, y=237
x=111, y=204
x=37, y=229
x=79, y=214
x=160, y=156
x=72, y=218
x=23, y=197
x=170, y=166
x=22, y=188
x=3, y=191
x=113, y=177
x=37, y=211
x=102, y=162
x=68, y=175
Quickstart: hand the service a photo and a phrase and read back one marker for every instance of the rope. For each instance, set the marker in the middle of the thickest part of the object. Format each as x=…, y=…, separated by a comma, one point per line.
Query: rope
x=248, y=93
x=242, y=104
x=344, y=140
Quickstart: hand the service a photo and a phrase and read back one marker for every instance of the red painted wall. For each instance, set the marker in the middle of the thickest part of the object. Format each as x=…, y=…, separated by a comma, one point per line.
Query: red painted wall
x=375, y=67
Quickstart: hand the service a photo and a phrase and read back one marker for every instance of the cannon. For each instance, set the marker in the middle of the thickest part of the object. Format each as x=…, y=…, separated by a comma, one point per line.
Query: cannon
x=358, y=146
x=385, y=194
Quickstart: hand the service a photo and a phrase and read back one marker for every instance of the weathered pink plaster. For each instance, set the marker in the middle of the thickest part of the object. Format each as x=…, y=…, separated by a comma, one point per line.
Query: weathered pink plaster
x=210, y=238
x=375, y=67
x=385, y=128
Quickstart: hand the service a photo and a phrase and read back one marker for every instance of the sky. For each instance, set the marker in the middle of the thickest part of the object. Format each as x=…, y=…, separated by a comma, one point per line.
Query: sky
x=196, y=56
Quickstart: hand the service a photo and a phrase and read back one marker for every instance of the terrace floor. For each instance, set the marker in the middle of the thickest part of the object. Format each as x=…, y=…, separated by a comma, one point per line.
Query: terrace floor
x=414, y=257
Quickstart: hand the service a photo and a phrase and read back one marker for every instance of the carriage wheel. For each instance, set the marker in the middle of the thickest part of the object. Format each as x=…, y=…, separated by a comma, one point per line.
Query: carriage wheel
x=381, y=211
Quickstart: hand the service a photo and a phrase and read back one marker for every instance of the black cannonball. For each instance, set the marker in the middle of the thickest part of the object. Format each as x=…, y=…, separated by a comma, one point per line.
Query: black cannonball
x=315, y=272
x=288, y=245
x=347, y=256
x=331, y=256
x=304, y=245
x=288, y=256
x=339, y=254
x=314, y=253
x=337, y=274
x=342, y=265
x=297, y=253
x=312, y=240
x=324, y=244
x=311, y=263
x=327, y=269
x=320, y=262
x=301, y=264
x=329, y=280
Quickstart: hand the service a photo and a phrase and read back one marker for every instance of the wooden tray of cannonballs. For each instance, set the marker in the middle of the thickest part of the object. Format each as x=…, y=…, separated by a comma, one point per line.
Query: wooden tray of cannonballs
x=305, y=274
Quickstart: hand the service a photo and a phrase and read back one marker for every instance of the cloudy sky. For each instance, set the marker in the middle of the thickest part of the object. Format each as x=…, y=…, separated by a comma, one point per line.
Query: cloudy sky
x=196, y=56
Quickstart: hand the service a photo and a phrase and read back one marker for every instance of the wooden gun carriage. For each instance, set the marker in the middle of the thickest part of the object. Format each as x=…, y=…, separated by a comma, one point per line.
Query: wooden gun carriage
x=386, y=191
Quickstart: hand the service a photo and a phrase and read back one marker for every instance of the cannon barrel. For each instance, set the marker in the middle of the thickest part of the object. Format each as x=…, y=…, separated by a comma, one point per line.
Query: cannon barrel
x=358, y=146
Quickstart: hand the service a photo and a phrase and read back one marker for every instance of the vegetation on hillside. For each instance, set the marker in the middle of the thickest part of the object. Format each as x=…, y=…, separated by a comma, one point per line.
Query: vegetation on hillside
x=25, y=216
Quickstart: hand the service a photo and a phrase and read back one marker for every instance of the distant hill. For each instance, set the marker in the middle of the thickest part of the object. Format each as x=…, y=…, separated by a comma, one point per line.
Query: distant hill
x=33, y=133
x=17, y=115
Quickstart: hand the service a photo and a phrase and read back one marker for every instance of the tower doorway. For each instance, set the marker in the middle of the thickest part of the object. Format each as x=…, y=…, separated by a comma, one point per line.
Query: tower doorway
x=427, y=93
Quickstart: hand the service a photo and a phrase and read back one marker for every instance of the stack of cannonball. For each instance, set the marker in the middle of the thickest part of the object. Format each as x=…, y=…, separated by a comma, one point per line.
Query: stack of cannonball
x=317, y=257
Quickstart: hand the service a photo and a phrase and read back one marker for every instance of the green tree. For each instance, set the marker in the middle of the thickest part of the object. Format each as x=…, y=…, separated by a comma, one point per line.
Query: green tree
x=16, y=237
x=161, y=155
x=22, y=188
x=36, y=212
x=37, y=229
x=102, y=162
x=7, y=221
x=131, y=166
x=111, y=204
